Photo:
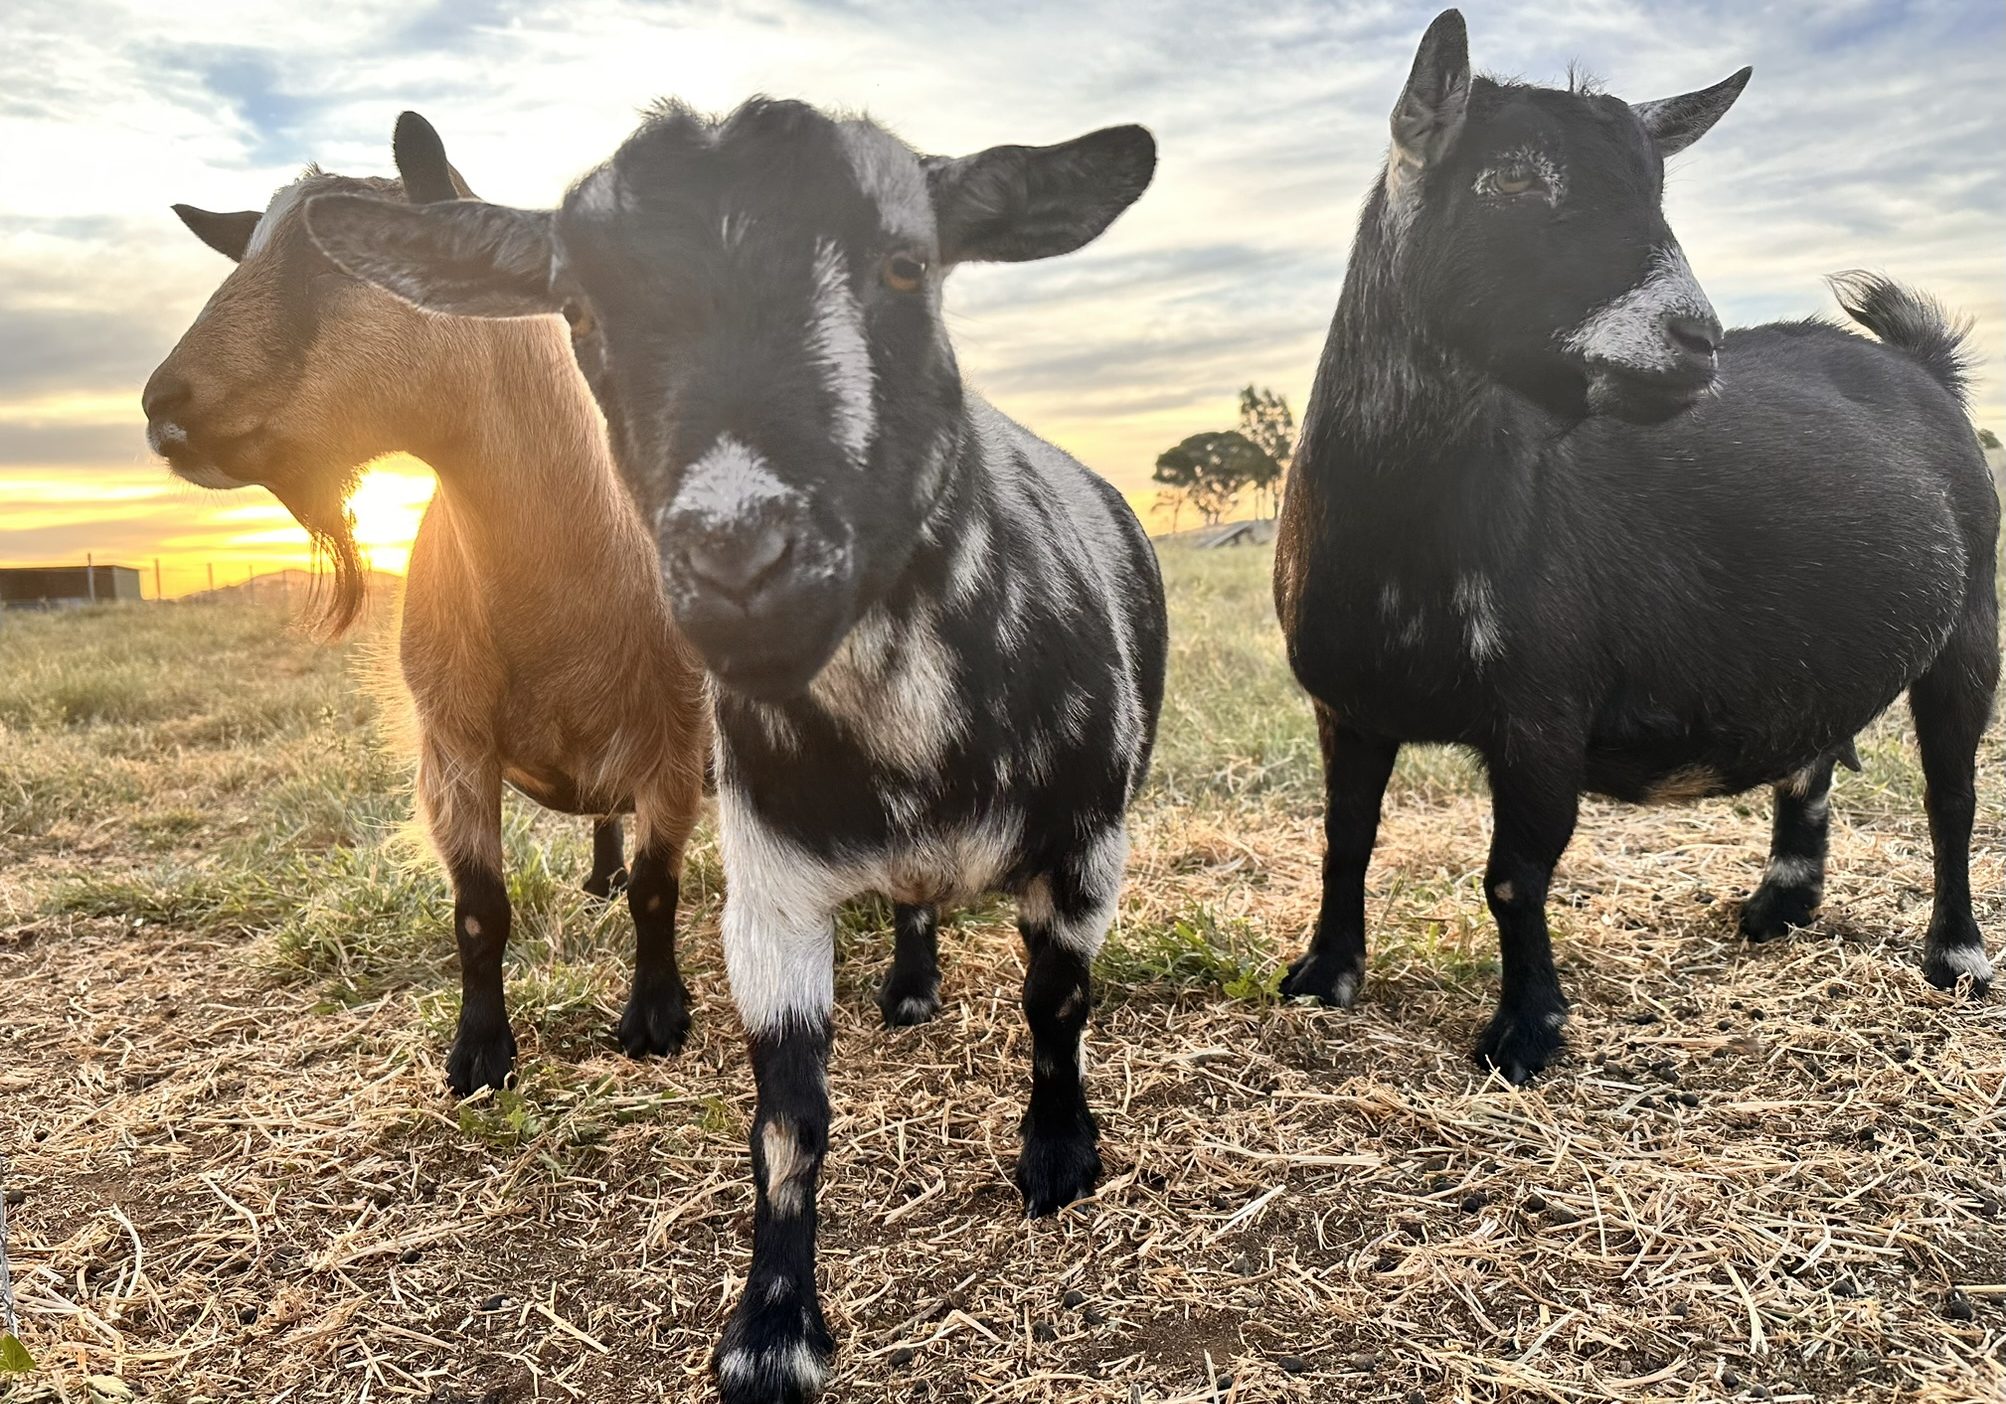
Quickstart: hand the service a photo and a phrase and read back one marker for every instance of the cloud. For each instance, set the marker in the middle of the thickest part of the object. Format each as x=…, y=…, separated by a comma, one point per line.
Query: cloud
x=1869, y=137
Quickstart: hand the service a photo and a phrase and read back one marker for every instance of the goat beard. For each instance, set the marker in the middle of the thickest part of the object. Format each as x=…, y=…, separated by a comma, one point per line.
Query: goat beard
x=322, y=508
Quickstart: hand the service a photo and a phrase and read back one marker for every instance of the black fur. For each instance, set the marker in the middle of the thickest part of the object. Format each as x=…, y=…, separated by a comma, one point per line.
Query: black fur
x=657, y=1018
x=483, y=1053
x=609, y=859
x=1700, y=605
x=938, y=643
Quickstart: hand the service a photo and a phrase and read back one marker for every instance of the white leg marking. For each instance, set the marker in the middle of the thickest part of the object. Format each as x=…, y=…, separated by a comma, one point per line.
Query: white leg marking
x=779, y=922
x=1795, y=871
x=786, y=1168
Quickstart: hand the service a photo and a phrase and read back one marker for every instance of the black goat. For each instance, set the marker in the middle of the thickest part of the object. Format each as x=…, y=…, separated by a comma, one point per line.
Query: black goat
x=1544, y=509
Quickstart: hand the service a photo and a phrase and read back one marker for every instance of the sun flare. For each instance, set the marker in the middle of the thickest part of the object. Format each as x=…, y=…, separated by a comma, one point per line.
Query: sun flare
x=388, y=504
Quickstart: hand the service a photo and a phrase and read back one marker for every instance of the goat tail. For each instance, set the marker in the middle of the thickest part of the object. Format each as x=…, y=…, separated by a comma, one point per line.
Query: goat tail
x=1914, y=321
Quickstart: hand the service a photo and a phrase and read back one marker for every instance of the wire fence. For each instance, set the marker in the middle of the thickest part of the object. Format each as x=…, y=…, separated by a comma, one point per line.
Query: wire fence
x=97, y=580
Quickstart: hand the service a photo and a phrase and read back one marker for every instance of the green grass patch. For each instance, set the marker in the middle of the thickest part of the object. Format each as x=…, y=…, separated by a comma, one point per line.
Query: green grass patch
x=1194, y=950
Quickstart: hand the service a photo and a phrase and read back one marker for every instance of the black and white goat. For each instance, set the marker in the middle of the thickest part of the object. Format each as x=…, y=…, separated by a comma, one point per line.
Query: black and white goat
x=1544, y=509
x=938, y=642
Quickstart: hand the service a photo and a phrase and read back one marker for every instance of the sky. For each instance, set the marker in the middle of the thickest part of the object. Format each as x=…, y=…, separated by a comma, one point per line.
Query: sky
x=1871, y=136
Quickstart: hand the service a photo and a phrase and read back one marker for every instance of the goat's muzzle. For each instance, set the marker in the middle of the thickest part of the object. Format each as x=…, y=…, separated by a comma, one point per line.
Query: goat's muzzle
x=1681, y=376
x=761, y=596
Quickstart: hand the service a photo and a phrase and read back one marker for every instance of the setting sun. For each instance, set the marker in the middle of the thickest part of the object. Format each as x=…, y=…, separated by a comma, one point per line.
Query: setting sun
x=388, y=504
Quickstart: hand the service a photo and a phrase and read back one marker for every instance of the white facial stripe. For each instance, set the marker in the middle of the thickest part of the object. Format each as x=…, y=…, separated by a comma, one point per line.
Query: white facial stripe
x=837, y=339
x=276, y=213
x=728, y=482
x=1628, y=331
x=888, y=172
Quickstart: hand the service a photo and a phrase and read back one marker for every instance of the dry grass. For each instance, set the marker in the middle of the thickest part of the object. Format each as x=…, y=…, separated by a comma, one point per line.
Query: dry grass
x=1770, y=1173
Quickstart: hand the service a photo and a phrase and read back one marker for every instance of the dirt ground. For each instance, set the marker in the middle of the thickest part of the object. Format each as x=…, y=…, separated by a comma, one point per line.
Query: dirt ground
x=233, y=1173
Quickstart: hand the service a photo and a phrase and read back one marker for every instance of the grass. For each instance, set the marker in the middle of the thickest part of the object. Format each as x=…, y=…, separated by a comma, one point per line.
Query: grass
x=228, y=981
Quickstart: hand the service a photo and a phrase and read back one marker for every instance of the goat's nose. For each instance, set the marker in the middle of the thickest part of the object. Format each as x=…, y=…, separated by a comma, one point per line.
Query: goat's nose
x=1694, y=337
x=165, y=394
x=739, y=563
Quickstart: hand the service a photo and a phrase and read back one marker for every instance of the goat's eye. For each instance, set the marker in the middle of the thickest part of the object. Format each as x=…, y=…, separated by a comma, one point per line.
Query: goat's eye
x=580, y=317
x=1514, y=180
x=904, y=273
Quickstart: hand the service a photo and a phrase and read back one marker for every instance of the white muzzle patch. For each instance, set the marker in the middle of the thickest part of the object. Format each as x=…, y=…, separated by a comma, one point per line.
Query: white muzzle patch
x=1628, y=332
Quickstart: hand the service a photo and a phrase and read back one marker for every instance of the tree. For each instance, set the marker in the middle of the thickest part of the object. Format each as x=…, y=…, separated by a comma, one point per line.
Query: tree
x=1987, y=439
x=1266, y=421
x=1211, y=470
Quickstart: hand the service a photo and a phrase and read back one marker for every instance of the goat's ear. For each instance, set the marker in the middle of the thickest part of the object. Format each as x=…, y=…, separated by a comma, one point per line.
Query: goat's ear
x=227, y=234
x=1429, y=115
x=463, y=257
x=422, y=165
x=1012, y=203
x=1677, y=122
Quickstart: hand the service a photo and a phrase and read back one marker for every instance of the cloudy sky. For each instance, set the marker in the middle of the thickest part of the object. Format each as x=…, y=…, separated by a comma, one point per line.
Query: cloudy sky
x=1871, y=136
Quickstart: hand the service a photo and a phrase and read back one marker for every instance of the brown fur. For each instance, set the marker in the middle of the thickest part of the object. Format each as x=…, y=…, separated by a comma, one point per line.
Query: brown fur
x=534, y=641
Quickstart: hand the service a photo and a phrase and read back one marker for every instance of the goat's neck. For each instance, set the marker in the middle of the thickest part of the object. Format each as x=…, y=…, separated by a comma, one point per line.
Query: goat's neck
x=1403, y=435
x=963, y=506
x=515, y=437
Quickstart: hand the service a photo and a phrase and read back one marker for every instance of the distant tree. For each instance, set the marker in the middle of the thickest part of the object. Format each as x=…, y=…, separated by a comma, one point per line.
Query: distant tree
x=1173, y=500
x=1266, y=421
x=1211, y=470
x=1987, y=439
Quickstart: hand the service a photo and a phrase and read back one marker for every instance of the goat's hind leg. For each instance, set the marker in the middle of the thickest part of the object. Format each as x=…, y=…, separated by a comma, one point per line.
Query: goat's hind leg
x=1794, y=883
x=1063, y=917
x=1951, y=704
x=910, y=991
x=657, y=1017
x=609, y=859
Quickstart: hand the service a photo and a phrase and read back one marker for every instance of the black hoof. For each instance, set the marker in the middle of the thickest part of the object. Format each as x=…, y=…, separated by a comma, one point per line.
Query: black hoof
x=906, y=1001
x=1520, y=1043
x=1329, y=979
x=775, y=1350
x=605, y=885
x=1055, y=1169
x=1949, y=955
x=1776, y=910
x=655, y=1022
x=480, y=1058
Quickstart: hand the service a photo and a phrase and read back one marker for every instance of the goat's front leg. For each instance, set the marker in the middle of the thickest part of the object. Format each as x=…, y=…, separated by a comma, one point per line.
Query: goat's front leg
x=461, y=804
x=1534, y=797
x=1356, y=768
x=910, y=992
x=1063, y=918
x=781, y=958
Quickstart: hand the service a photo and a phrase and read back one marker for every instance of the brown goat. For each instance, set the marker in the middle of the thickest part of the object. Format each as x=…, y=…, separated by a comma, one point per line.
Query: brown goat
x=534, y=640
